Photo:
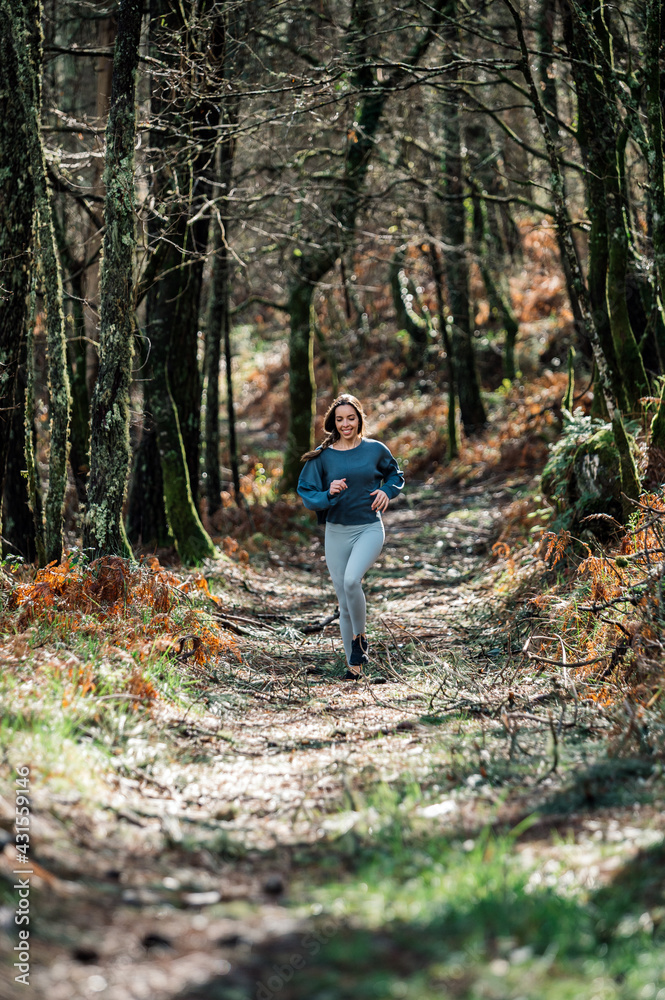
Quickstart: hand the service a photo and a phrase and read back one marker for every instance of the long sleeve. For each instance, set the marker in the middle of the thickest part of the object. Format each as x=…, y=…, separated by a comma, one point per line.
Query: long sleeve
x=312, y=489
x=393, y=477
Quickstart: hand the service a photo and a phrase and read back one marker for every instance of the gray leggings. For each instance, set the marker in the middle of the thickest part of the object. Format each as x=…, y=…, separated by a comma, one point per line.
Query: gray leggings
x=350, y=551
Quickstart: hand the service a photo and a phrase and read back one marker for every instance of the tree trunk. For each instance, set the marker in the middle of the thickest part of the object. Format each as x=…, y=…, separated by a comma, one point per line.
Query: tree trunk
x=654, y=115
x=146, y=516
x=77, y=359
x=491, y=253
x=586, y=35
x=218, y=335
x=218, y=329
x=630, y=480
x=561, y=218
x=437, y=272
x=181, y=188
x=33, y=485
x=192, y=541
x=546, y=17
x=169, y=312
x=17, y=207
x=18, y=526
x=655, y=473
x=408, y=319
x=216, y=326
x=547, y=80
x=177, y=297
x=498, y=298
x=104, y=531
x=79, y=451
x=302, y=387
x=231, y=413
x=472, y=410
x=24, y=27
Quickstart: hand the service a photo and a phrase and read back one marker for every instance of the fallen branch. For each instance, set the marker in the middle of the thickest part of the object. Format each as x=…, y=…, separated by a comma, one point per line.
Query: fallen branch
x=561, y=663
x=319, y=626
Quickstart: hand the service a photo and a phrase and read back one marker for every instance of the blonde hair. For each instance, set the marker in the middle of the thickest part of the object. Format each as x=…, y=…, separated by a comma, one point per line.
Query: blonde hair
x=333, y=435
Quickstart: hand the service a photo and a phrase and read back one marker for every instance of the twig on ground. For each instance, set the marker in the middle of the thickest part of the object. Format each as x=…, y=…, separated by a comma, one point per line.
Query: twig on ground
x=319, y=626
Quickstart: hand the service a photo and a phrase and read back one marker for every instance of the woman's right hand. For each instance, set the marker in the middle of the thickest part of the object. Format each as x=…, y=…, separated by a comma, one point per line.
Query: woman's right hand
x=337, y=486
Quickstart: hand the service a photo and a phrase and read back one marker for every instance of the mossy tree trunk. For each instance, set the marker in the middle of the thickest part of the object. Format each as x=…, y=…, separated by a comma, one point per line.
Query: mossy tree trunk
x=79, y=451
x=654, y=116
x=655, y=474
x=629, y=477
x=302, y=387
x=17, y=209
x=183, y=187
x=176, y=299
x=456, y=264
x=173, y=395
x=590, y=46
x=657, y=435
x=147, y=523
x=547, y=79
x=18, y=524
x=545, y=22
x=104, y=530
x=630, y=480
x=23, y=23
x=173, y=505
x=561, y=217
x=77, y=358
x=33, y=484
x=192, y=541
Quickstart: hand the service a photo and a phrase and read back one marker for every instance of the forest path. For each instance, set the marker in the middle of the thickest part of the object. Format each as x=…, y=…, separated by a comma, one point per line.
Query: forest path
x=190, y=876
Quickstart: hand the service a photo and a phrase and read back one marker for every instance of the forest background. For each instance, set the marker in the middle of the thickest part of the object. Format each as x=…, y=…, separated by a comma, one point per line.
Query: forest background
x=214, y=216
x=370, y=176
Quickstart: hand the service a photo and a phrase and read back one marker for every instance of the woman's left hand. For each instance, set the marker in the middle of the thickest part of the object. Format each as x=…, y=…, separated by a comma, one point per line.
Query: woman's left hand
x=380, y=501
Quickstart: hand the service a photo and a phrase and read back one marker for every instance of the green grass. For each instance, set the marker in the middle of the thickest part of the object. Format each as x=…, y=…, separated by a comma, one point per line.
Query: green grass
x=68, y=717
x=417, y=915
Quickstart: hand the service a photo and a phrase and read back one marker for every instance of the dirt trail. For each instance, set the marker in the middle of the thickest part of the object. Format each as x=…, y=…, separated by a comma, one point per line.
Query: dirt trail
x=179, y=879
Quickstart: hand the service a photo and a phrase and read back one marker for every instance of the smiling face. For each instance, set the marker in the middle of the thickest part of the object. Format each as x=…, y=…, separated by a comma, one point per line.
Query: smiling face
x=347, y=423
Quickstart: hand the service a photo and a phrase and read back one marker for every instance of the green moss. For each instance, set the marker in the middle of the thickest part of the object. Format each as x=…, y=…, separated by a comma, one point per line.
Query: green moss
x=584, y=473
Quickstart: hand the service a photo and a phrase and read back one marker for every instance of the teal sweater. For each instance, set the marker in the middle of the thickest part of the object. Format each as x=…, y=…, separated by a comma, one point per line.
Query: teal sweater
x=366, y=468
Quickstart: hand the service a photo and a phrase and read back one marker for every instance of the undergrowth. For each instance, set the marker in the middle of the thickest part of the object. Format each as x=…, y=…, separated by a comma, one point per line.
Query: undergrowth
x=88, y=649
x=597, y=618
x=143, y=609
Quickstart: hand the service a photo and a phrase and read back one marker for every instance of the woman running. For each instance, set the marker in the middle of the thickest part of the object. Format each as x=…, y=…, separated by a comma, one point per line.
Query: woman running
x=349, y=480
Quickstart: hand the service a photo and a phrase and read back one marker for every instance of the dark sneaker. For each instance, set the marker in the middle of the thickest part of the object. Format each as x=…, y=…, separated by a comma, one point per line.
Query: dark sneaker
x=351, y=676
x=359, y=651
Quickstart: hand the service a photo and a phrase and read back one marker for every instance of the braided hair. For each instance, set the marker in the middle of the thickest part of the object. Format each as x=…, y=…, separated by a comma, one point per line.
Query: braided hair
x=333, y=435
